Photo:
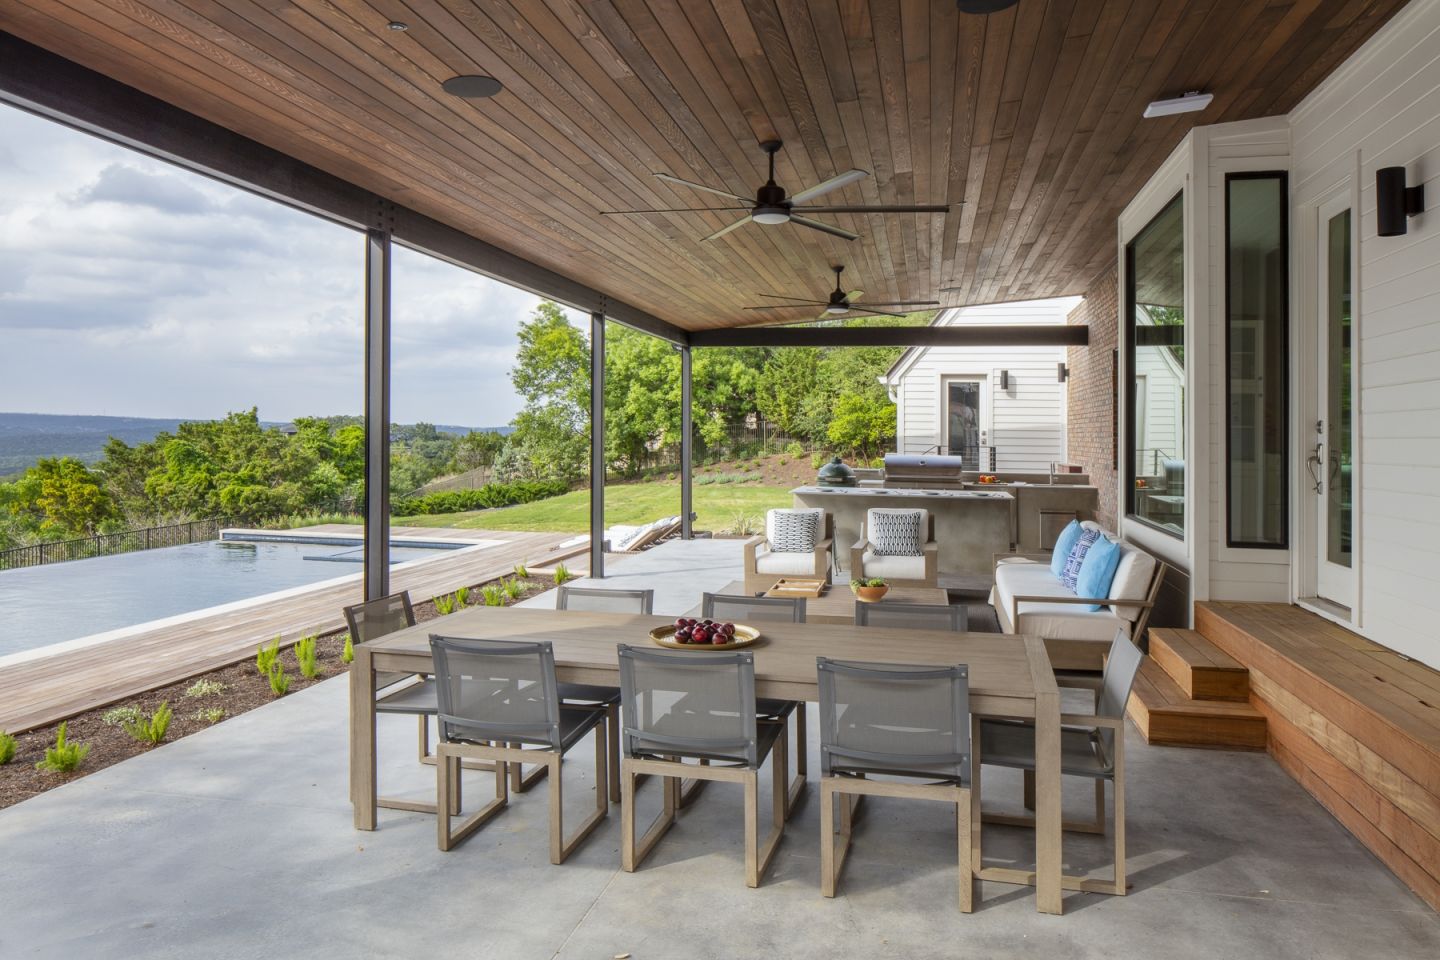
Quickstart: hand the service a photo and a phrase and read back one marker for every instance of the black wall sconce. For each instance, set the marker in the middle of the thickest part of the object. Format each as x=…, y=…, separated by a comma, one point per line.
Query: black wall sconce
x=1004, y=379
x=1062, y=372
x=1396, y=203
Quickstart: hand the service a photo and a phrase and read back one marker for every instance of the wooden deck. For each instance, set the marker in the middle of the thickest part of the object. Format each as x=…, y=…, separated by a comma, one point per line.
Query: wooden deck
x=50, y=688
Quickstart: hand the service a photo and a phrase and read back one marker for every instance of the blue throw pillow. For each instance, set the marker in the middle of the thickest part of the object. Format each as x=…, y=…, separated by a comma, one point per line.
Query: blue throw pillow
x=1063, y=544
x=1097, y=570
x=1071, y=573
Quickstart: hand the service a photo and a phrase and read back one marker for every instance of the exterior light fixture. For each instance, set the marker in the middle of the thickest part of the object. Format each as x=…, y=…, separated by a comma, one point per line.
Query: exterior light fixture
x=1004, y=379
x=1192, y=101
x=770, y=215
x=834, y=308
x=983, y=7
x=397, y=26
x=1062, y=372
x=472, y=87
x=1396, y=203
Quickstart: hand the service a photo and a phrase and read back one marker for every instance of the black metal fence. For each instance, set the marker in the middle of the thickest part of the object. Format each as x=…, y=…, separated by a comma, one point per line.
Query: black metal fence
x=106, y=544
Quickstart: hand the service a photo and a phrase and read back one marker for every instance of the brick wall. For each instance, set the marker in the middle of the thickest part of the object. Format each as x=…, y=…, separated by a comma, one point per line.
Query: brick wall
x=1092, y=384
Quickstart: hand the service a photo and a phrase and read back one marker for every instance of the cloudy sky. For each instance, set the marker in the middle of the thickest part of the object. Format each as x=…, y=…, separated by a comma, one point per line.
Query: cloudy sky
x=129, y=287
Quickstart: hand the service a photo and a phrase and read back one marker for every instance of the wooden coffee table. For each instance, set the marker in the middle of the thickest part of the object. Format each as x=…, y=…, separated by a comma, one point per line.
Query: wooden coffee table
x=837, y=603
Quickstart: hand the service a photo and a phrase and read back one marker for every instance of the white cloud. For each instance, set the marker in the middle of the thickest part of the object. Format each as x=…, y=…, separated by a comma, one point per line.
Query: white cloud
x=128, y=286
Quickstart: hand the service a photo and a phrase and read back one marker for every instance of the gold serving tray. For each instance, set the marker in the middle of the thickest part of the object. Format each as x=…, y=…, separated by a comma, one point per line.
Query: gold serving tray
x=797, y=587
x=744, y=637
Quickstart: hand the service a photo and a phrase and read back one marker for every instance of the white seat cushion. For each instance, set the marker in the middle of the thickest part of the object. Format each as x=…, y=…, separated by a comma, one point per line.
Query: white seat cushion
x=1132, y=580
x=786, y=564
x=892, y=568
x=1067, y=621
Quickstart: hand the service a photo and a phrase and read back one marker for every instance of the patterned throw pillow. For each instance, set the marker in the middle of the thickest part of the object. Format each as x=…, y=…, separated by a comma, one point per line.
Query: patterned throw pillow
x=1071, y=574
x=794, y=531
x=896, y=533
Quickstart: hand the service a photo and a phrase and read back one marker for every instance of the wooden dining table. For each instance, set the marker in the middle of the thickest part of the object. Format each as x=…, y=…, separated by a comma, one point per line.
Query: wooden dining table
x=1010, y=677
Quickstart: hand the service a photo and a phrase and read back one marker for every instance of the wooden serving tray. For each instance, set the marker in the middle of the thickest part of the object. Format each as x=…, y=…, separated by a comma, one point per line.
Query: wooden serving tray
x=792, y=587
x=744, y=637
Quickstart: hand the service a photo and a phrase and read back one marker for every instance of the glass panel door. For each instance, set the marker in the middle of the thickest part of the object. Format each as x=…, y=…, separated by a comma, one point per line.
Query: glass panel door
x=1331, y=461
x=965, y=421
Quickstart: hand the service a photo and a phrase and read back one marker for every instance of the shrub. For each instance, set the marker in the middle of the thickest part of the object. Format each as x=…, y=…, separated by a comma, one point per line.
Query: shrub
x=484, y=498
x=279, y=679
x=150, y=729
x=266, y=657
x=522, y=571
x=462, y=597
x=494, y=596
x=745, y=524
x=306, y=659
x=818, y=459
x=120, y=716
x=782, y=460
x=563, y=574
x=795, y=448
x=8, y=746
x=204, y=688
x=445, y=605
x=347, y=652
x=705, y=480
x=513, y=589
x=64, y=756
x=210, y=715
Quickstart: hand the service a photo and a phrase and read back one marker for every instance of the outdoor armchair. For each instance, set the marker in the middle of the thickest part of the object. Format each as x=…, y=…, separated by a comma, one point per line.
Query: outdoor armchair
x=498, y=701
x=908, y=724
x=916, y=565
x=769, y=558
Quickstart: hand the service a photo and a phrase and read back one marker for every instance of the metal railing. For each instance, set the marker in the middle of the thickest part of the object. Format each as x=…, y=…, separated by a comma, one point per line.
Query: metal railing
x=107, y=544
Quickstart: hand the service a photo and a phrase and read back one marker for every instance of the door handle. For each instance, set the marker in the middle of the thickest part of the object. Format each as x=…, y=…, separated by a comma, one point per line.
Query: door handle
x=1312, y=462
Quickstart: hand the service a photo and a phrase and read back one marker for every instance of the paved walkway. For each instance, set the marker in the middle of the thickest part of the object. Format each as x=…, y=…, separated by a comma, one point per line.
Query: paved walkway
x=37, y=688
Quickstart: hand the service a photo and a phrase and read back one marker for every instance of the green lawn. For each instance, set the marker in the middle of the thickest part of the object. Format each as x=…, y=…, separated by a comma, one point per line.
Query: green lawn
x=716, y=505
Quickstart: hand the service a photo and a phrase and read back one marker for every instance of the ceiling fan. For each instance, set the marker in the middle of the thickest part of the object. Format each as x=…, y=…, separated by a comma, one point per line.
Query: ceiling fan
x=841, y=302
x=772, y=206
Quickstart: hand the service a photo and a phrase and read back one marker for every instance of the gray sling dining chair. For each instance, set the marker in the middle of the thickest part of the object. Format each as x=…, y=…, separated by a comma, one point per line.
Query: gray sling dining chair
x=679, y=706
x=913, y=616
x=1091, y=746
x=595, y=696
x=909, y=724
x=498, y=701
x=396, y=693
x=741, y=608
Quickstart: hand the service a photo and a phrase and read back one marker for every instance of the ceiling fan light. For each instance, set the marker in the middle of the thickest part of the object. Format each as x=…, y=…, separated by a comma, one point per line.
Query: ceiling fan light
x=770, y=215
x=837, y=308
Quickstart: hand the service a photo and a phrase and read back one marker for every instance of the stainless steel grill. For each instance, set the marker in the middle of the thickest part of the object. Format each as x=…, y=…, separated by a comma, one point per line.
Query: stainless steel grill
x=926, y=468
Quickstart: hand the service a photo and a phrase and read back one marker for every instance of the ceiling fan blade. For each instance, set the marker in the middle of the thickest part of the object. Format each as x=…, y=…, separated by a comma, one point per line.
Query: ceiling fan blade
x=834, y=183
x=878, y=208
x=724, y=230
x=906, y=303
x=626, y=213
x=854, y=295
x=825, y=228
x=870, y=311
x=782, y=306
x=776, y=296
x=700, y=186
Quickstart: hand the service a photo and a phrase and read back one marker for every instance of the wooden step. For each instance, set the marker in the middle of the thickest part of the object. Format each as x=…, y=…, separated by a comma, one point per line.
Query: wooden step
x=1166, y=716
x=1203, y=670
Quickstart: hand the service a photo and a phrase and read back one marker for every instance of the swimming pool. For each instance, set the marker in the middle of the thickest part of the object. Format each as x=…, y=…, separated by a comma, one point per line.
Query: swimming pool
x=64, y=601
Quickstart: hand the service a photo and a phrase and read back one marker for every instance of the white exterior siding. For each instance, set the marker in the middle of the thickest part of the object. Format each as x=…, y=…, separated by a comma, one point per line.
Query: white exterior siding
x=1024, y=423
x=1380, y=109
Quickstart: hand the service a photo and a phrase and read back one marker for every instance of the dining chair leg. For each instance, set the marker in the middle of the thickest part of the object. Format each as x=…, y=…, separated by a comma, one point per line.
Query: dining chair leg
x=835, y=844
x=977, y=819
x=752, y=829
x=612, y=739
x=448, y=765
x=962, y=832
x=562, y=846
x=1119, y=782
x=424, y=737
x=520, y=781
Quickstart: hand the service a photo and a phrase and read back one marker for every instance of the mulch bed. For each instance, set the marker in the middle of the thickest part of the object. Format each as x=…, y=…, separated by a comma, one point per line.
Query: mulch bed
x=244, y=690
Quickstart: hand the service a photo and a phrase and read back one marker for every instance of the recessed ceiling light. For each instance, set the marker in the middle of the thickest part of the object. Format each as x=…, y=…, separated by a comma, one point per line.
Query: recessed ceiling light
x=474, y=87
x=397, y=26
x=1191, y=102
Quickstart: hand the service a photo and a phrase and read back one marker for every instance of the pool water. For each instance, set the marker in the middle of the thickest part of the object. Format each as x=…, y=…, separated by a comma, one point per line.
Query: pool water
x=64, y=601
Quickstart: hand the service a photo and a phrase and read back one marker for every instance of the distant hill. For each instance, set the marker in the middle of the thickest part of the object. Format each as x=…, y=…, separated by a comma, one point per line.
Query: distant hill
x=26, y=437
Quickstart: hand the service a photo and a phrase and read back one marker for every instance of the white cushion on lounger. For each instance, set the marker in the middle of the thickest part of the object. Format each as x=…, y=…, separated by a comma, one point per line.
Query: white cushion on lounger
x=1132, y=580
x=1052, y=620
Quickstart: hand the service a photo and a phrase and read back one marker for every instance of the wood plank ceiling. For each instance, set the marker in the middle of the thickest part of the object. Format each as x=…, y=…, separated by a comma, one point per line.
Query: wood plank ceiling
x=1028, y=122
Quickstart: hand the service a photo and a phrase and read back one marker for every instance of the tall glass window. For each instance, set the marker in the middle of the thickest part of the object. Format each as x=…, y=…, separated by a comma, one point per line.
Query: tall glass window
x=1155, y=328
x=1256, y=334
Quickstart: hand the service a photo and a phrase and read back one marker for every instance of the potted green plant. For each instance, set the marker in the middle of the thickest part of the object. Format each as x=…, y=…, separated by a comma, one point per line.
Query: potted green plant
x=870, y=590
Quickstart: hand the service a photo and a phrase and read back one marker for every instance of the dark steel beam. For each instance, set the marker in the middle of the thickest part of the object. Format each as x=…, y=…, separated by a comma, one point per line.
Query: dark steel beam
x=687, y=448
x=597, y=444
x=980, y=335
x=377, y=409
x=43, y=83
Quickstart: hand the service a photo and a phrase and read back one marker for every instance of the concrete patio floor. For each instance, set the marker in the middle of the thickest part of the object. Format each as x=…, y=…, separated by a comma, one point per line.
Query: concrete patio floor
x=237, y=843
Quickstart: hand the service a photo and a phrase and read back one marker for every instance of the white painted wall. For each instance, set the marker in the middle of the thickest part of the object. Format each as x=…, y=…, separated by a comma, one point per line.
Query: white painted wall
x=1025, y=423
x=1382, y=108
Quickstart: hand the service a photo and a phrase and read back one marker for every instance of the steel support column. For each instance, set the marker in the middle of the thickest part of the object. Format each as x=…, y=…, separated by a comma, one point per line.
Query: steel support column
x=597, y=444
x=377, y=409
x=687, y=449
